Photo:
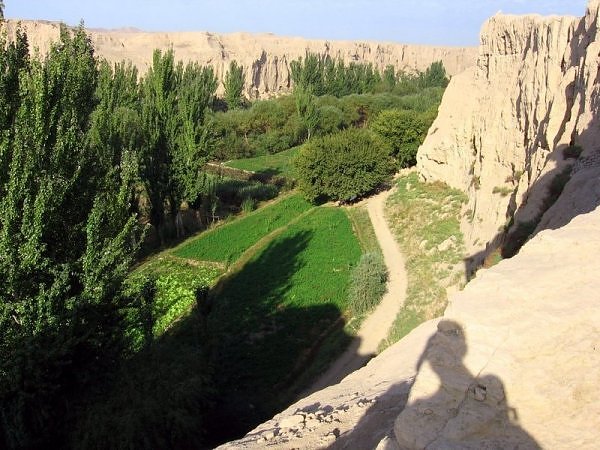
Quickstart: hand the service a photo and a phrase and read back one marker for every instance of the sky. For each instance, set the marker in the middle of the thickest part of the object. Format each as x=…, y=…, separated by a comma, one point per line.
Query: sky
x=434, y=22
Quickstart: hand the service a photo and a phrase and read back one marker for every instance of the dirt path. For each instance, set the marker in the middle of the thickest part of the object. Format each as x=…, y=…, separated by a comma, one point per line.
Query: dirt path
x=375, y=327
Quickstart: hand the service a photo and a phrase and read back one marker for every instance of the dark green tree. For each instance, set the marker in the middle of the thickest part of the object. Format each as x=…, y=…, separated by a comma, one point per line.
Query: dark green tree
x=434, y=76
x=194, y=142
x=66, y=243
x=343, y=166
x=306, y=108
x=404, y=131
x=159, y=124
x=234, y=85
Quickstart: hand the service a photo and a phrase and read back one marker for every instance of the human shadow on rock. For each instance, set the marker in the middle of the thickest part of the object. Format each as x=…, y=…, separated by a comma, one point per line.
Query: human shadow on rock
x=466, y=411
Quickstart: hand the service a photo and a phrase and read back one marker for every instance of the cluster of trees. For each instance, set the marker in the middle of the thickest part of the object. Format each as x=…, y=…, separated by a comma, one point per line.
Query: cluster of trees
x=323, y=75
x=271, y=126
x=85, y=150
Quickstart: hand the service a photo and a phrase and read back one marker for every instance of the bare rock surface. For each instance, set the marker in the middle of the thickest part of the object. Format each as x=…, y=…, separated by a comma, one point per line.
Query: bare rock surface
x=265, y=57
x=516, y=358
x=505, y=123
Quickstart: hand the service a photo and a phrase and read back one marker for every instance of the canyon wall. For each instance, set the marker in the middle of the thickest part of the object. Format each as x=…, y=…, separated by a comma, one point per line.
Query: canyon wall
x=265, y=57
x=504, y=124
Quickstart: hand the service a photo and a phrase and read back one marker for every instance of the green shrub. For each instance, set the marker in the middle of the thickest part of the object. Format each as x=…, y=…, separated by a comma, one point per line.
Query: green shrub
x=248, y=205
x=343, y=166
x=404, y=131
x=367, y=284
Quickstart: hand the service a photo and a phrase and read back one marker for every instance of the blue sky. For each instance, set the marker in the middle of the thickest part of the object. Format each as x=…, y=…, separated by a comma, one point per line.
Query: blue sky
x=439, y=22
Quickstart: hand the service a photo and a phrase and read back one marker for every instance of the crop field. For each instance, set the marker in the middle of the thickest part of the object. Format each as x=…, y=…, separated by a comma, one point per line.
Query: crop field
x=287, y=296
x=277, y=164
x=227, y=242
x=177, y=282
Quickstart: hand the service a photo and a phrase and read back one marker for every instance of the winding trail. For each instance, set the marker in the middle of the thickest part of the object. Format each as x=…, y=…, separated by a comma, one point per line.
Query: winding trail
x=376, y=326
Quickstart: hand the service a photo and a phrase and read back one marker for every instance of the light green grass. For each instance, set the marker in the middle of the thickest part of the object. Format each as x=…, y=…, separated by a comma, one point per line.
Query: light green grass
x=425, y=221
x=363, y=229
x=227, y=242
x=277, y=164
x=282, y=301
x=177, y=282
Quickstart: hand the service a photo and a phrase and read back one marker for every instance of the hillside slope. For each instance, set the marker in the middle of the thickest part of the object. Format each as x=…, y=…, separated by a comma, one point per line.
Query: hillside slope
x=265, y=57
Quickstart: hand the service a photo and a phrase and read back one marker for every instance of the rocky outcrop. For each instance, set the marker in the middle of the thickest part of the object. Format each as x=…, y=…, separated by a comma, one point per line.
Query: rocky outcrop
x=265, y=57
x=505, y=123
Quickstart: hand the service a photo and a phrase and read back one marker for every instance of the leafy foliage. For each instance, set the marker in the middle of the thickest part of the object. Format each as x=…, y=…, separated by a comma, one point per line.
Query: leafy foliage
x=404, y=131
x=67, y=239
x=367, y=284
x=234, y=85
x=343, y=166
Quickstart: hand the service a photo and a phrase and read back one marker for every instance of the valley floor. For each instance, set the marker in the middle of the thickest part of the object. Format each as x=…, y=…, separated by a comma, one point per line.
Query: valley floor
x=376, y=326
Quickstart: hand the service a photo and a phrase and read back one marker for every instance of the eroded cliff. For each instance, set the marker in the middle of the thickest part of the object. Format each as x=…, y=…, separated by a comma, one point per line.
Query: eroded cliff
x=505, y=124
x=265, y=57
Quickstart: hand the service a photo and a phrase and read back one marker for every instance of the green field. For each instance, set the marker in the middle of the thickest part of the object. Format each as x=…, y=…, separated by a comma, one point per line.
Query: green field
x=287, y=295
x=227, y=242
x=176, y=285
x=277, y=164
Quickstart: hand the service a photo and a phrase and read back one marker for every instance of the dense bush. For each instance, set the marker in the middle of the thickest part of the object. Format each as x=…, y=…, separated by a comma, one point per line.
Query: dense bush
x=404, y=131
x=367, y=283
x=343, y=166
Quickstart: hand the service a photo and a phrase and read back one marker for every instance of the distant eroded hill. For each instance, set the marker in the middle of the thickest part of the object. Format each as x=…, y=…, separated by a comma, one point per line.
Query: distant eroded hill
x=265, y=57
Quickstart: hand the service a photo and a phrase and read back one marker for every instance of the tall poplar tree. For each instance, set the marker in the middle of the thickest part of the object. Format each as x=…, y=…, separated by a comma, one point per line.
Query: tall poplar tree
x=66, y=243
x=234, y=85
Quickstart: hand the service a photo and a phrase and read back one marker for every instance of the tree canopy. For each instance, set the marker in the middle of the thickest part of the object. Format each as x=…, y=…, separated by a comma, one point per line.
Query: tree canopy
x=343, y=166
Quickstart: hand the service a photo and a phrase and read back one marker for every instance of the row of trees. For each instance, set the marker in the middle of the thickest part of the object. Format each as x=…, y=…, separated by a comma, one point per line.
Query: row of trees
x=323, y=75
x=86, y=150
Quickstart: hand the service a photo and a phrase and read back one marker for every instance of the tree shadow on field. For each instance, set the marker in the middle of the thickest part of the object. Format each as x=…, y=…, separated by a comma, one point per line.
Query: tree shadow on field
x=466, y=411
x=261, y=340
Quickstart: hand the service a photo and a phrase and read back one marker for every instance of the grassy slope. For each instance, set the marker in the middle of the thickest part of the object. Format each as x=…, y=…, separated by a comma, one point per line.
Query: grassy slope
x=227, y=242
x=277, y=164
x=422, y=217
x=176, y=284
x=363, y=228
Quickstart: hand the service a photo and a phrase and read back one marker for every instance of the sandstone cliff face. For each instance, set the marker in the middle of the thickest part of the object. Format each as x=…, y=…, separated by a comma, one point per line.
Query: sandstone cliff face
x=265, y=57
x=503, y=124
